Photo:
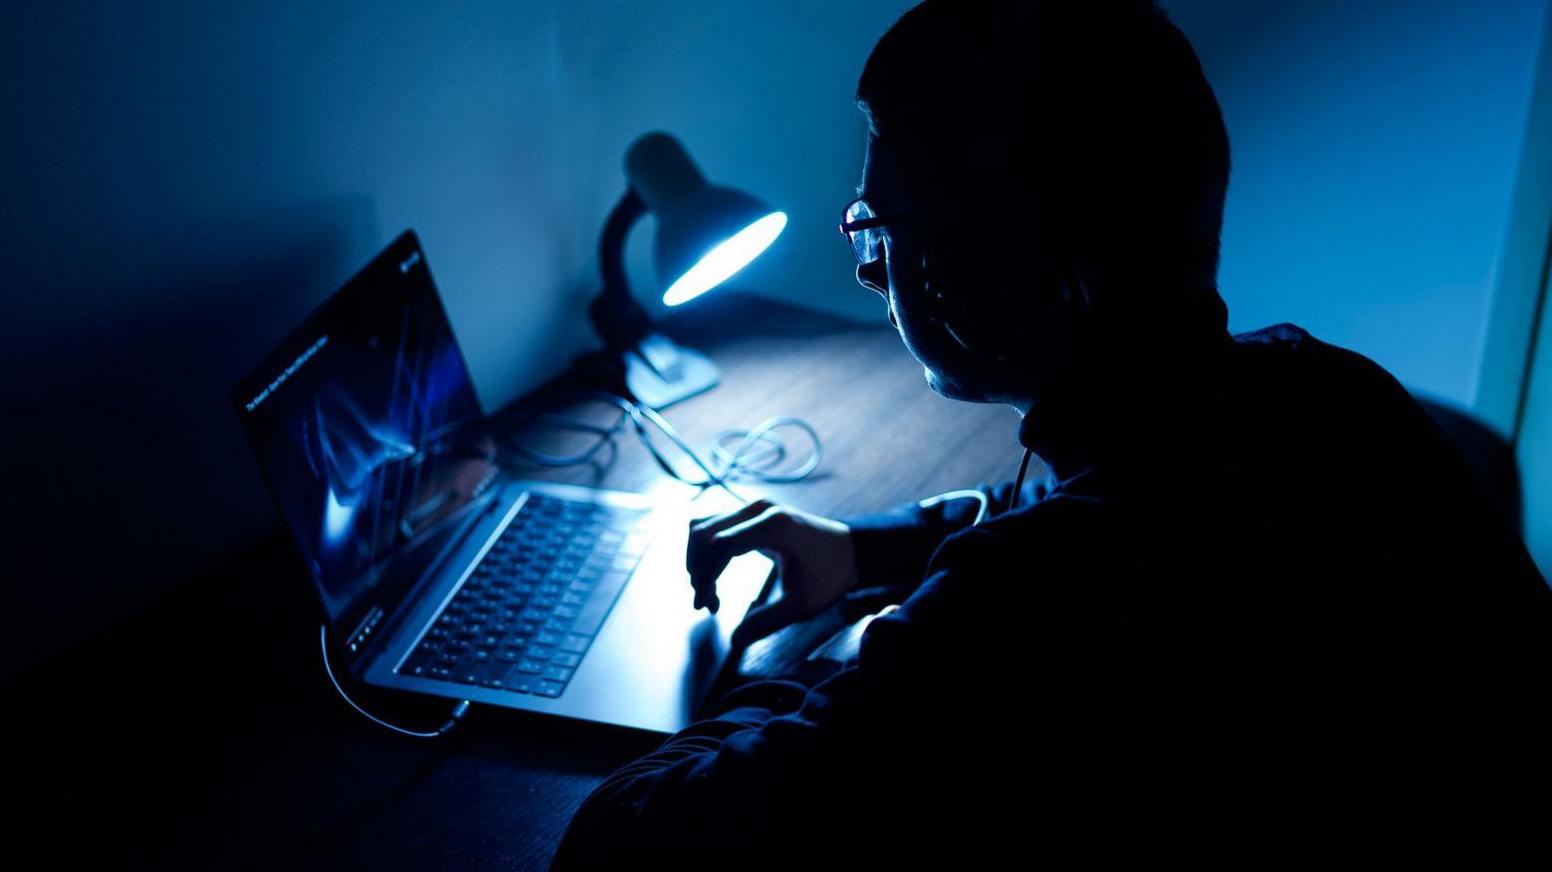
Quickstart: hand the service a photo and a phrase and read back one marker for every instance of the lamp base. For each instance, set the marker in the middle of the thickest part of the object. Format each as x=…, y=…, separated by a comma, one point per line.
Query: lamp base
x=659, y=372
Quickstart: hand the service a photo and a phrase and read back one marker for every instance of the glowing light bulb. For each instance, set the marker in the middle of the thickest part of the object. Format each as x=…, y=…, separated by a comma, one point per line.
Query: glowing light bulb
x=727, y=258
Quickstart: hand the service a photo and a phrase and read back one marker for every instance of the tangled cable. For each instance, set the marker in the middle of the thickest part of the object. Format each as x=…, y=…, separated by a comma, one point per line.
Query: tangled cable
x=756, y=454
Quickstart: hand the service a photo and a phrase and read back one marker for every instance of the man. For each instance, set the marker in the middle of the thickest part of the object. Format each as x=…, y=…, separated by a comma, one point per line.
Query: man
x=1259, y=613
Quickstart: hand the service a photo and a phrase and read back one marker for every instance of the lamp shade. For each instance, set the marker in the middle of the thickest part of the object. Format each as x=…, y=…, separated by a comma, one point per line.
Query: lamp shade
x=705, y=232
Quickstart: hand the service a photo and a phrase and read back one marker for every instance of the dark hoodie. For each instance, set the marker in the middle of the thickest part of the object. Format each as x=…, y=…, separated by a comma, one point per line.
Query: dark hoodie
x=1260, y=615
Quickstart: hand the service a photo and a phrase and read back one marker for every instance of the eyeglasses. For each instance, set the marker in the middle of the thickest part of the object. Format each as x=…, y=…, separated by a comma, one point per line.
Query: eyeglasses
x=860, y=226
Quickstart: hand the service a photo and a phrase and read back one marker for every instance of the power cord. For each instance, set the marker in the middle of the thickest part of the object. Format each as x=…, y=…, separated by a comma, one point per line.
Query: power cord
x=453, y=718
x=980, y=496
x=755, y=454
x=1018, y=483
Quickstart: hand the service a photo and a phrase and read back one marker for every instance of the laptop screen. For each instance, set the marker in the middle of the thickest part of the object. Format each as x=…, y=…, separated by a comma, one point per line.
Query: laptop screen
x=356, y=422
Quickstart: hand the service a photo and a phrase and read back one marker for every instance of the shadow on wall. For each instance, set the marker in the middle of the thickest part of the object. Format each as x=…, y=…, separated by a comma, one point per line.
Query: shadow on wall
x=125, y=469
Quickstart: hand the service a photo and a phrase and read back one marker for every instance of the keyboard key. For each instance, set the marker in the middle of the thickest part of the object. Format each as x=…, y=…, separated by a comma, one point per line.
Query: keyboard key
x=592, y=615
x=528, y=612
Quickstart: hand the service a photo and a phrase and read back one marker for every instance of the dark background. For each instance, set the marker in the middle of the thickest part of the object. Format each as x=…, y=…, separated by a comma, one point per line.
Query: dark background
x=183, y=181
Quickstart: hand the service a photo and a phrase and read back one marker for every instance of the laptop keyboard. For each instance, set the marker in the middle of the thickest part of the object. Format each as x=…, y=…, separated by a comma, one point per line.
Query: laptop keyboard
x=524, y=618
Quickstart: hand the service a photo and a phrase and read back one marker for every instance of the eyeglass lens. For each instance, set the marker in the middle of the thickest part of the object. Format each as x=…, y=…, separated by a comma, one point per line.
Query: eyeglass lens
x=867, y=244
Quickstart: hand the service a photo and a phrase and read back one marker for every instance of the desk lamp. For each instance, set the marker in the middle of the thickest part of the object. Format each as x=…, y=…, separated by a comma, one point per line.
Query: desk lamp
x=705, y=234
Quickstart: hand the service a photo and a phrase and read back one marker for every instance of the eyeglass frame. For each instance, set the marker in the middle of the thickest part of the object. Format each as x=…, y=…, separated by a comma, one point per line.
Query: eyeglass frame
x=848, y=228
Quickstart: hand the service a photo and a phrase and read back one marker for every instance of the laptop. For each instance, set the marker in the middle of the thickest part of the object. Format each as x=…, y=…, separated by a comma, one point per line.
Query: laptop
x=439, y=575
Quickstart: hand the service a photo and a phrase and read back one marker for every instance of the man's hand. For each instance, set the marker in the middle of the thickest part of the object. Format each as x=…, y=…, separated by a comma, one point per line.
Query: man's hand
x=814, y=559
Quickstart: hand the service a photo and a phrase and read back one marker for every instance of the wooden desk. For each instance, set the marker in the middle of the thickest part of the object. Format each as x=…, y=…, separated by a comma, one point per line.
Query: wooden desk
x=204, y=731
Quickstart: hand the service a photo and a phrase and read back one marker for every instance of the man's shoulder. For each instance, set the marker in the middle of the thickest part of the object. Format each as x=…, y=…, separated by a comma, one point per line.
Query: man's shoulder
x=1303, y=362
x=1284, y=335
x=1296, y=343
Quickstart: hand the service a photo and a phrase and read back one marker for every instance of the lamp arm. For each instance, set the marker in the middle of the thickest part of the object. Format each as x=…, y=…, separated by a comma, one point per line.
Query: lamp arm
x=620, y=321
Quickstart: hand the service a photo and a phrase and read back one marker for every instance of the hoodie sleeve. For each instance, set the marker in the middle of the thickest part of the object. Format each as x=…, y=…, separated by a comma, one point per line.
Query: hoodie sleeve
x=784, y=775
x=768, y=767
x=894, y=546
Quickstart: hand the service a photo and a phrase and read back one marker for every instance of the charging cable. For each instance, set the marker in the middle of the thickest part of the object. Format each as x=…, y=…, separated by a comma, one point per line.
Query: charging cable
x=1018, y=483
x=453, y=718
x=755, y=454
x=980, y=496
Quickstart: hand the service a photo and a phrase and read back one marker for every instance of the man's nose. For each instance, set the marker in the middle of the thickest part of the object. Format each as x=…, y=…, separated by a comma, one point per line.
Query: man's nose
x=874, y=276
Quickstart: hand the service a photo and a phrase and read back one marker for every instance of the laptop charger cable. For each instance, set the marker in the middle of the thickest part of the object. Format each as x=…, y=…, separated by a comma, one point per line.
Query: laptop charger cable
x=456, y=715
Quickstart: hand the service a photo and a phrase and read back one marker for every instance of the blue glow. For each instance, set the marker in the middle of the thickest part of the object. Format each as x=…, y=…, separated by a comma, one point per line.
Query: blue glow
x=336, y=518
x=727, y=258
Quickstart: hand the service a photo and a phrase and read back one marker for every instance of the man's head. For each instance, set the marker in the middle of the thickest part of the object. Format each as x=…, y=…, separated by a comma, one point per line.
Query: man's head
x=1053, y=174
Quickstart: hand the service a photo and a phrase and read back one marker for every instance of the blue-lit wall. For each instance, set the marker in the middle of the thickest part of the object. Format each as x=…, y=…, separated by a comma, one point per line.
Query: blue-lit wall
x=184, y=180
x=1377, y=151
x=1535, y=449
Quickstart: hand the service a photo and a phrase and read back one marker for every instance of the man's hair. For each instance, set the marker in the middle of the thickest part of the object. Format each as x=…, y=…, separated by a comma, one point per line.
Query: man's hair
x=1082, y=131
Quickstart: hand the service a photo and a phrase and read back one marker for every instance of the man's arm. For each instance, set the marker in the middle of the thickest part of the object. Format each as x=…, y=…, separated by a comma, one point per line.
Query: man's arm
x=897, y=742
x=729, y=791
x=776, y=771
x=894, y=546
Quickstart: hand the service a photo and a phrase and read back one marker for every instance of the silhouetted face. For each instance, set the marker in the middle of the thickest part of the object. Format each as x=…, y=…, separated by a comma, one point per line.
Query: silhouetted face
x=901, y=279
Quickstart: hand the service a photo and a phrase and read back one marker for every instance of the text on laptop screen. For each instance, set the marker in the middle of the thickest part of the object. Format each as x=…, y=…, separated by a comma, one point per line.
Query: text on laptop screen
x=356, y=424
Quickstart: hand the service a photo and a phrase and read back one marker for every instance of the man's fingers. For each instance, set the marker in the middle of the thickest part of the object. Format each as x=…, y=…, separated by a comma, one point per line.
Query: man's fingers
x=709, y=554
x=718, y=523
x=699, y=551
x=766, y=620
